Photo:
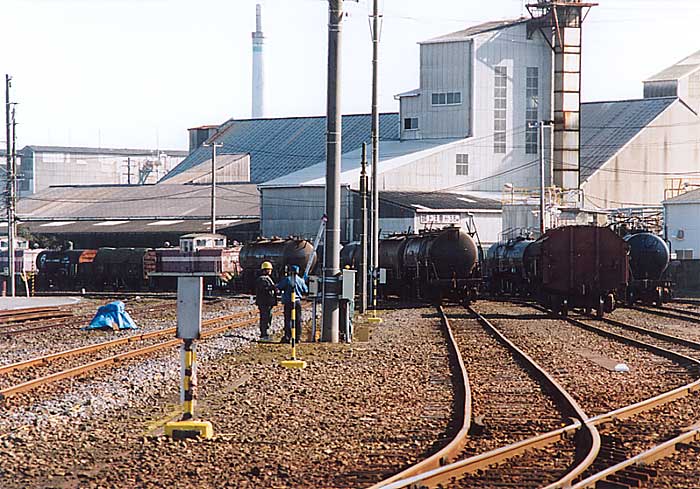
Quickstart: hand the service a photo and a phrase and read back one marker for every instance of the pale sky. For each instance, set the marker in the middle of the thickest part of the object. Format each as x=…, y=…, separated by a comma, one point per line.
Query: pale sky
x=138, y=73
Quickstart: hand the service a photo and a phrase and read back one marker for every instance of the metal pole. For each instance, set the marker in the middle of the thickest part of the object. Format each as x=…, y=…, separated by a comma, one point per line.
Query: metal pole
x=375, y=145
x=333, y=151
x=541, y=125
x=363, y=233
x=10, y=188
x=213, y=184
x=542, y=223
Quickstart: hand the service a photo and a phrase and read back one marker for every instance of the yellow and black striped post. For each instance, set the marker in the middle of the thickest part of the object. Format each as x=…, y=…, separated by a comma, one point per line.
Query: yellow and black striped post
x=188, y=380
x=374, y=319
x=294, y=363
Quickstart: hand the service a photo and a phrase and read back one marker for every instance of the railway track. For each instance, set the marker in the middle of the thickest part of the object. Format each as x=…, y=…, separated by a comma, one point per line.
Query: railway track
x=612, y=467
x=669, y=312
x=518, y=420
x=26, y=375
x=11, y=316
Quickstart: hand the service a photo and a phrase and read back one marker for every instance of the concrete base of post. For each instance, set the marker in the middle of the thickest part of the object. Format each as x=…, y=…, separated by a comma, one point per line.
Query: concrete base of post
x=180, y=430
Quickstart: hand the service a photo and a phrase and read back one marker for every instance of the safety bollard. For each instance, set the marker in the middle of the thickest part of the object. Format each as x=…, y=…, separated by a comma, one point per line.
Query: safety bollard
x=374, y=319
x=294, y=363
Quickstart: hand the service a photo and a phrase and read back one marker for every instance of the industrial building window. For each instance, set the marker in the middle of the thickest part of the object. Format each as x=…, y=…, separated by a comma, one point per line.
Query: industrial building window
x=410, y=123
x=684, y=254
x=532, y=100
x=446, y=98
x=500, y=106
x=462, y=164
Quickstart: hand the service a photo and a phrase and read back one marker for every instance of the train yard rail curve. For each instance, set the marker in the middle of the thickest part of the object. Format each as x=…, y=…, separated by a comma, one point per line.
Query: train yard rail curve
x=231, y=322
x=587, y=437
x=462, y=407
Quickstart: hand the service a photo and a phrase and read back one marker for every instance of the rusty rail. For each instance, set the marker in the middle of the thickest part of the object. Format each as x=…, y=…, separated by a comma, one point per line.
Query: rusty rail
x=669, y=313
x=483, y=461
x=588, y=434
x=464, y=409
x=46, y=359
x=10, y=316
x=76, y=371
x=658, y=452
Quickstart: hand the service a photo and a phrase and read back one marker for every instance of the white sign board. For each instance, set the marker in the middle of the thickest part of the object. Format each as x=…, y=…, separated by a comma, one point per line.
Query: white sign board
x=438, y=218
x=189, y=307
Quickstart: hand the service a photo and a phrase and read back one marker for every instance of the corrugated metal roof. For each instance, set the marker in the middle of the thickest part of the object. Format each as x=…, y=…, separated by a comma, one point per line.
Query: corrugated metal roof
x=278, y=147
x=692, y=197
x=427, y=201
x=161, y=201
x=204, y=168
x=126, y=227
x=607, y=126
x=392, y=154
x=466, y=34
x=679, y=70
x=104, y=151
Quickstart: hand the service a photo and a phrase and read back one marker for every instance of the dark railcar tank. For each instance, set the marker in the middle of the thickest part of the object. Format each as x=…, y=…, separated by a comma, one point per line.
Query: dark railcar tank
x=282, y=253
x=452, y=253
x=649, y=256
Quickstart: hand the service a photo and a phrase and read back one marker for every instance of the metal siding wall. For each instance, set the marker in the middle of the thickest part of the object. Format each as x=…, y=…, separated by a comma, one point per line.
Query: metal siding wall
x=510, y=48
x=669, y=145
x=685, y=217
x=445, y=67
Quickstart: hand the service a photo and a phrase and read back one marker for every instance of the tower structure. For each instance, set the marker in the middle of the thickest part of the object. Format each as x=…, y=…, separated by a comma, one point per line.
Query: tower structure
x=258, y=67
x=560, y=22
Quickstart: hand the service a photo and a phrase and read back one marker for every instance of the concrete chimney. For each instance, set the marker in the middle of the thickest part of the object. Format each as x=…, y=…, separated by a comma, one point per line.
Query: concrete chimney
x=258, y=67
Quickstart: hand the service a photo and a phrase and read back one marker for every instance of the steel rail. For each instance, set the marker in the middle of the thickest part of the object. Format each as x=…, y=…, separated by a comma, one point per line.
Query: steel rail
x=658, y=452
x=10, y=320
x=76, y=371
x=587, y=433
x=46, y=359
x=675, y=310
x=663, y=313
x=464, y=408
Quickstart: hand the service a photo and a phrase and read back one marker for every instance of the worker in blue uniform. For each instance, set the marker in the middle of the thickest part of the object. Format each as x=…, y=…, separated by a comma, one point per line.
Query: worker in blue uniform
x=292, y=282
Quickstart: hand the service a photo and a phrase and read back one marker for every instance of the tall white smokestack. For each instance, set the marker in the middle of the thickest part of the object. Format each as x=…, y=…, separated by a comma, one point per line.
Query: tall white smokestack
x=258, y=67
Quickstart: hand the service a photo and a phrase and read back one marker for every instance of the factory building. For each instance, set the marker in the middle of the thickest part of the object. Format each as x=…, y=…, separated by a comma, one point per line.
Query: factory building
x=682, y=221
x=93, y=216
x=41, y=167
x=466, y=130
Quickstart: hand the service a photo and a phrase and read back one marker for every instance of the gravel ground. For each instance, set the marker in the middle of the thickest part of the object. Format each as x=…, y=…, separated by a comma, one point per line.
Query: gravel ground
x=583, y=362
x=357, y=414
x=681, y=470
x=149, y=315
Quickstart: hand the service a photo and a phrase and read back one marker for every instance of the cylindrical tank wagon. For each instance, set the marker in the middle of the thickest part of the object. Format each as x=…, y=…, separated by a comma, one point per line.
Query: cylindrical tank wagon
x=282, y=253
x=649, y=259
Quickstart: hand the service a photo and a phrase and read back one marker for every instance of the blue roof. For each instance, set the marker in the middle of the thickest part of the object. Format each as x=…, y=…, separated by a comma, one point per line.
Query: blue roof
x=278, y=147
x=607, y=126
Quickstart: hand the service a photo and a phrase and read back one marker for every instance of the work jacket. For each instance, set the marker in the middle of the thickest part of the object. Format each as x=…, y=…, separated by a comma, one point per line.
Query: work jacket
x=293, y=282
x=265, y=293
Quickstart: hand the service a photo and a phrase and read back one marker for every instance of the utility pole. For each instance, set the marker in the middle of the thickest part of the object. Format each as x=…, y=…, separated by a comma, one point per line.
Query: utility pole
x=541, y=125
x=10, y=196
x=375, y=28
x=363, y=232
x=333, y=150
x=213, y=183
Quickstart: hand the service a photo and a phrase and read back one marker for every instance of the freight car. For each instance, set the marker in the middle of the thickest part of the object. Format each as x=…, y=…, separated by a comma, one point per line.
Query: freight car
x=282, y=253
x=649, y=259
x=578, y=266
x=432, y=265
x=123, y=268
x=503, y=267
x=65, y=270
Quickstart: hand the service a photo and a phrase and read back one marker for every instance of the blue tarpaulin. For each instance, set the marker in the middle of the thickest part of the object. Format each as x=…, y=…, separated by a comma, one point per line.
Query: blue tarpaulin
x=112, y=316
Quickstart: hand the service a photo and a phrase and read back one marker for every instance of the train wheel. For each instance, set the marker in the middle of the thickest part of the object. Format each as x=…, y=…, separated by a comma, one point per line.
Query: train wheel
x=600, y=309
x=564, y=309
x=659, y=297
x=609, y=303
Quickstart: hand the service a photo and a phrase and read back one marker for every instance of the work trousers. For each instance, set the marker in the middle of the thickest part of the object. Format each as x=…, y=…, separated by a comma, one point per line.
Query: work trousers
x=288, y=320
x=265, y=319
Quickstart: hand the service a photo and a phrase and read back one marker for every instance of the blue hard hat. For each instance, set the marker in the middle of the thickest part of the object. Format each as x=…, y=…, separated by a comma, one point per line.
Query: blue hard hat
x=295, y=268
